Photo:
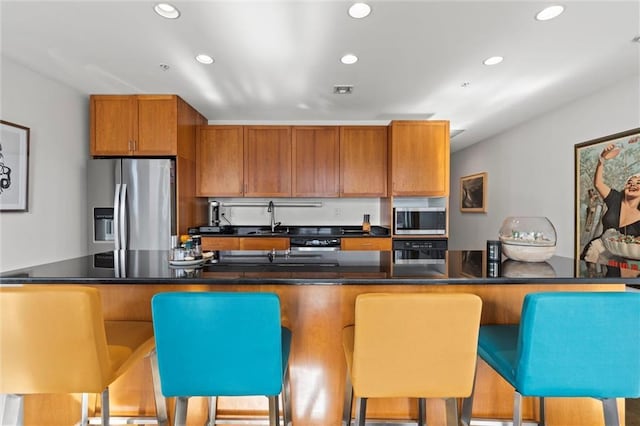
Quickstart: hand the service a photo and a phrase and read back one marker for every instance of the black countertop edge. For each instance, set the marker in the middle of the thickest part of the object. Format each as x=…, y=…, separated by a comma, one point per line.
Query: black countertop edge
x=320, y=281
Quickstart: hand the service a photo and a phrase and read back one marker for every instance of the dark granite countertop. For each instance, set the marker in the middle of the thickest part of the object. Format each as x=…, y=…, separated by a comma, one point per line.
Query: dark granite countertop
x=341, y=267
x=288, y=231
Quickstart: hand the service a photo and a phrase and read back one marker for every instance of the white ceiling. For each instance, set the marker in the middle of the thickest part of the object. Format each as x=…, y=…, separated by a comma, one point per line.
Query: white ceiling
x=277, y=61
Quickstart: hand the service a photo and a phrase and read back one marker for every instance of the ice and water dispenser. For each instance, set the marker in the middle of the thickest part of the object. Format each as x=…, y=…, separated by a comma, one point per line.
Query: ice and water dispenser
x=103, y=224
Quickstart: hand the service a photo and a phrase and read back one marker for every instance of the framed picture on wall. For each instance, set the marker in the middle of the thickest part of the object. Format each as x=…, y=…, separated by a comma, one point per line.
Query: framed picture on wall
x=14, y=167
x=473, y=193
x=607, y=198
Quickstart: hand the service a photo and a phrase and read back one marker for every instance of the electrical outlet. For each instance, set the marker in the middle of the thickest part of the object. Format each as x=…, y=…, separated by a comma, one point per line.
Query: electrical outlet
x=337, y=212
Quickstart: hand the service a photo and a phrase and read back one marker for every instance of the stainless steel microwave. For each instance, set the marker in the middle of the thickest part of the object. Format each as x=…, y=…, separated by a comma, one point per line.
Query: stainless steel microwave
x=420, y=220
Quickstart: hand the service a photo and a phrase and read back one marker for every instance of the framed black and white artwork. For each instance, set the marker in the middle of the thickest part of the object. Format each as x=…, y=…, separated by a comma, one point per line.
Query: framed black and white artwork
x=14, y=167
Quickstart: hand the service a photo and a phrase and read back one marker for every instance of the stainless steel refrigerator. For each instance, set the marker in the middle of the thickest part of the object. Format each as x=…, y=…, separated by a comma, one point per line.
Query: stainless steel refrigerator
x=132, y=204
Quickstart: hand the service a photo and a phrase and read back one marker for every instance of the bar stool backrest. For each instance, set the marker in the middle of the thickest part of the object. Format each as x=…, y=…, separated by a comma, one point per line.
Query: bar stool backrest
x=579, y=344
x=218, y=344
x=415, y=345
x=52, y=340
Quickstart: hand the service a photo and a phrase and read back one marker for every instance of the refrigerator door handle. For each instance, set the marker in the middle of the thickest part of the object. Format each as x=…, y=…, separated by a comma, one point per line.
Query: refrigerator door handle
x=123, y=217
x=116, y=263
x=116, y=217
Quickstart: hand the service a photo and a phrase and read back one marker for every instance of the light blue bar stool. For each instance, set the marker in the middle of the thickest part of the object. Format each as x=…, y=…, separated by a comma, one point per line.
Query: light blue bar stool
x=568, y=344
x=222, y=344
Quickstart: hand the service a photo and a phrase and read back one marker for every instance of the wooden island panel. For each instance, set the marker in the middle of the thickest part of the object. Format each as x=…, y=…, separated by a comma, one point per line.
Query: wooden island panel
x=316, y=315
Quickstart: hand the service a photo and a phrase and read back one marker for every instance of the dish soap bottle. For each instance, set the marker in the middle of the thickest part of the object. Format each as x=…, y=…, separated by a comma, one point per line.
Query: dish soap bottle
x=366, y=226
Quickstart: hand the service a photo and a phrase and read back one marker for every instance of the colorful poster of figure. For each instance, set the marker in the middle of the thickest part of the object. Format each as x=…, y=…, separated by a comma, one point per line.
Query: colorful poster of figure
x=608, y=198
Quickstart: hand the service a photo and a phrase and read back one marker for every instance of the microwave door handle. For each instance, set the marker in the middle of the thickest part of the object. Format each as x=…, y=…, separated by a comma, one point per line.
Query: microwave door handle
x=116, y=217
x=123, y=217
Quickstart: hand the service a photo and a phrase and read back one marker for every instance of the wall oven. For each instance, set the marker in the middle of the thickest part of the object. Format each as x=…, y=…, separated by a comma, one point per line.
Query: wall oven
x=420, y=220
x=423, y=258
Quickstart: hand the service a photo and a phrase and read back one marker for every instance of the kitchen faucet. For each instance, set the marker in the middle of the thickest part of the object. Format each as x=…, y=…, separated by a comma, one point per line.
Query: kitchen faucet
x=272, y=209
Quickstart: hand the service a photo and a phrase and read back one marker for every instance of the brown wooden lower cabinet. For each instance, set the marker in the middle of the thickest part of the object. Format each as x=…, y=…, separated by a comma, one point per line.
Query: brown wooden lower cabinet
x=245, y=243
x=316, y=315
x=264, y=243
x=220, y=243
x=368, y=243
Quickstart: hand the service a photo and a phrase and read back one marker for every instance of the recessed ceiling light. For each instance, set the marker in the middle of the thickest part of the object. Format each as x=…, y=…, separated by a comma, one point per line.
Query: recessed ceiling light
x=343, y=89
x=549, y=12
x=349, y=59
x=636, y=39
x=164, y=67
x=465, y=84
x=204, y=59
x=493, y=60
x=359, y=10
x=166, y=10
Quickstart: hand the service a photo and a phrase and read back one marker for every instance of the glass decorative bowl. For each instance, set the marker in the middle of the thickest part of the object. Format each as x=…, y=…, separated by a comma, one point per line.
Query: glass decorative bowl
x=528, y=238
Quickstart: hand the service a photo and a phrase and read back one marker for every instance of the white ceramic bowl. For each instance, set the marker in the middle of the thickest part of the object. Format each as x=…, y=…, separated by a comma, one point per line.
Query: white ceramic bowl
x=528, y=253
x=622, y=249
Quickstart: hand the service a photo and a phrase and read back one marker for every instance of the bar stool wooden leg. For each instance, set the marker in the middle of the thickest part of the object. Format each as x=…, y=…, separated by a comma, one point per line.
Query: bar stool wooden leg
x=542, y=415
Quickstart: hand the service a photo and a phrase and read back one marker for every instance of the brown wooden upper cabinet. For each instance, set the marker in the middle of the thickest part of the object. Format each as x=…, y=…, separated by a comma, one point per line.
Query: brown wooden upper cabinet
x=420, y=158
x=267, y=161
x=134, y=125
x=363, y=161
x=316, y=161
x=220, y=161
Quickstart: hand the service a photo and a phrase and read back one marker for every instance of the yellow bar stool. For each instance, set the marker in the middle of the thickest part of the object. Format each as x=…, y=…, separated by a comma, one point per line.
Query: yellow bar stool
x=53, y=340
x=411, y=346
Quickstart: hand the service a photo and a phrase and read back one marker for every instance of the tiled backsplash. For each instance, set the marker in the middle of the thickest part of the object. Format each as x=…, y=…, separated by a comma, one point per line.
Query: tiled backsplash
x=332, y=211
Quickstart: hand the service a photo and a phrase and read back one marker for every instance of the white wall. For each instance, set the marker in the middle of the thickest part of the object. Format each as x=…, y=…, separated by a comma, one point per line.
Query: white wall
x=531, y=167
x=55, y=226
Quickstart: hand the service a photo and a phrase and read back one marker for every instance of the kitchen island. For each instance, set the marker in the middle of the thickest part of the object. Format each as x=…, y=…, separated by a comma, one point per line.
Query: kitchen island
x=317, y=292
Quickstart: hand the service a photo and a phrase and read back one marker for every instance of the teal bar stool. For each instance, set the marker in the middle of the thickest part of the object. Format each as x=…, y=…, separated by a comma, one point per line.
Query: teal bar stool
x=568, y=344
x=222, y=344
